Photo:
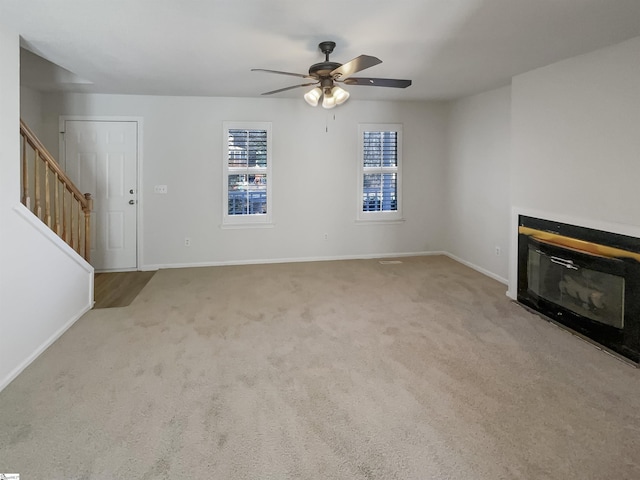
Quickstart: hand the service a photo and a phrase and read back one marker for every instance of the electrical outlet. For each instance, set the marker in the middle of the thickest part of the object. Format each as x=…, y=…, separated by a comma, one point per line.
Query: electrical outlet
x=498, y=251
x=160, y=189
x=187, y=242
x=326, y=236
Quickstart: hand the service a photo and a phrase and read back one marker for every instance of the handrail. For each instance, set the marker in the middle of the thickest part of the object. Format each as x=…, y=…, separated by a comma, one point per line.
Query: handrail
x=37, y=145
x=61, y=219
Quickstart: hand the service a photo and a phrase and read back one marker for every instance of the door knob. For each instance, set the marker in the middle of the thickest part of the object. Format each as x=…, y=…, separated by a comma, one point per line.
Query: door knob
x=132, y=202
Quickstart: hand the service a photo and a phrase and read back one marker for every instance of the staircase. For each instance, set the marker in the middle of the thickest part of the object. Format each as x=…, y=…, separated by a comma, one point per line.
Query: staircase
x=48, y=192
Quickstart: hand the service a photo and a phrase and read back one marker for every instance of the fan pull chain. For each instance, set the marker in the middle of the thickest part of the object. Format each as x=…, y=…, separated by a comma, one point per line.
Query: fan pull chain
x=326, y=124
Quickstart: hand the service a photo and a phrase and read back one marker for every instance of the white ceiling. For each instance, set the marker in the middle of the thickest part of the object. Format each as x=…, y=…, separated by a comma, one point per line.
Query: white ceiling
x=449, y=48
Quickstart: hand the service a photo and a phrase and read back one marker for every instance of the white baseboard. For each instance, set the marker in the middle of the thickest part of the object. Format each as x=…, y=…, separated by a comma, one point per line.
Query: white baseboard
x=326, y=259
x=47, y=343
x=484, y=271
x=154, y=267
x=288, y=260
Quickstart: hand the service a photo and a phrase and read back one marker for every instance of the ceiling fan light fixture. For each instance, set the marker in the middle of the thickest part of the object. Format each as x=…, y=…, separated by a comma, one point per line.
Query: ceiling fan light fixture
x=313, y=96
x=328, y=101
x=340, y=95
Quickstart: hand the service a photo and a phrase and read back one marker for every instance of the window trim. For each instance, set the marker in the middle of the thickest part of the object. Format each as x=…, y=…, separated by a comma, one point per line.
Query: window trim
x=382, y=216
x=247, y=220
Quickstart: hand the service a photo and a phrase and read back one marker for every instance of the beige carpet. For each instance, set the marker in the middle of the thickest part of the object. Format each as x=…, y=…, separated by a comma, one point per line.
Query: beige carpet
x=332, y=370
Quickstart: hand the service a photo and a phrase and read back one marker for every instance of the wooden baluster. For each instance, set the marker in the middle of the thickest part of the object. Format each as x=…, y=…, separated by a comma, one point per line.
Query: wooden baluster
x=56, y=213
x=64, y=213
x=78, y=247
x=78, y=226
x=36, y=175
x=71, y=218
x=87, y=226
x=26, y=201
x=70, y=225
x=81, y=222
x=71, y=230
x=80, y=229
x=47, y=194
x=74, y=202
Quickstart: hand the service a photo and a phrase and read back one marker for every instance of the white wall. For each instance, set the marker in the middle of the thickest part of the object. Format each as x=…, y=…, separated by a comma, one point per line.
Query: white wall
x=477, y=181
x=576, y=141
x=31, y=111
x=314, y=177
x=43, y=290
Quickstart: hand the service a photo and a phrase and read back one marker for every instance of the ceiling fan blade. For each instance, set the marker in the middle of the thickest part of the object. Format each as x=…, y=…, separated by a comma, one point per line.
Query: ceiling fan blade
x=289, y=88
x=377, y=82
x=281, y=73
x=355, y=65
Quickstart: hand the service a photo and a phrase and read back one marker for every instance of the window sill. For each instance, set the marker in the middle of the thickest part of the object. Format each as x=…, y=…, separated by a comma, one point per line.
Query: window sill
x=239, y=226
x=382, y=221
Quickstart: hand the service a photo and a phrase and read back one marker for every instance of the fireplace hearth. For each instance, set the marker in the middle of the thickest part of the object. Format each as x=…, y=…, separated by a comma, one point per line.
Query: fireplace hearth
x=583, y=279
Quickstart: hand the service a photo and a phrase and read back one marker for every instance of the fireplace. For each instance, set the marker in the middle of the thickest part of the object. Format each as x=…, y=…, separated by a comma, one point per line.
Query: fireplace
x=584, y=279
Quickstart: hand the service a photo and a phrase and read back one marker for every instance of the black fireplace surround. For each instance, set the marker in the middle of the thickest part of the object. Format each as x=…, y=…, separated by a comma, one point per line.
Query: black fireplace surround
x=584, y=279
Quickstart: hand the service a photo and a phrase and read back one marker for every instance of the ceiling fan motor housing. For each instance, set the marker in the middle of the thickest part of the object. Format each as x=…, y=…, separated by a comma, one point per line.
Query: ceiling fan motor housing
x=323, y=70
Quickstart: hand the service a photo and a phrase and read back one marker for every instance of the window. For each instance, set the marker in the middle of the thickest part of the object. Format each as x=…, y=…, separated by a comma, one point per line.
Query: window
x=379, y=178
x=246, y=173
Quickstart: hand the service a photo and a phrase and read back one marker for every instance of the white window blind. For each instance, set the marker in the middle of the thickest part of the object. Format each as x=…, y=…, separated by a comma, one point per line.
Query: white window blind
x=247, y=173
x=379, y=172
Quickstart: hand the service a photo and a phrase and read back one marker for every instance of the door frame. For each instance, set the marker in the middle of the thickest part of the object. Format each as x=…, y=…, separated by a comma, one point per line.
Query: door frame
x=139, y=197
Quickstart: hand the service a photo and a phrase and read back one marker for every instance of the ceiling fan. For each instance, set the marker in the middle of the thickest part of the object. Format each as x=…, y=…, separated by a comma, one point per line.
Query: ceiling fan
x=325, y=75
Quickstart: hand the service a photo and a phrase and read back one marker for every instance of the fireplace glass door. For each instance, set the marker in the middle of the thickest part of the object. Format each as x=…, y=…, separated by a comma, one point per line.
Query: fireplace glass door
x=588, y=288
x=583, y=279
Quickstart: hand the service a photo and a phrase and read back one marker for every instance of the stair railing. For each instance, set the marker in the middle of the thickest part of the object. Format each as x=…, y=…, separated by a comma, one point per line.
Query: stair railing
x=56, y=200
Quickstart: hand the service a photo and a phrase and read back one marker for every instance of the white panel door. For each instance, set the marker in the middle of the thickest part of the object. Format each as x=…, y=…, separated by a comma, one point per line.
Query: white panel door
x=101, y=159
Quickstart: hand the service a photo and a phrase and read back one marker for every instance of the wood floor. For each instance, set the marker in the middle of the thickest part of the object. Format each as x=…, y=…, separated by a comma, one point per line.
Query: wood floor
x=118, y=289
